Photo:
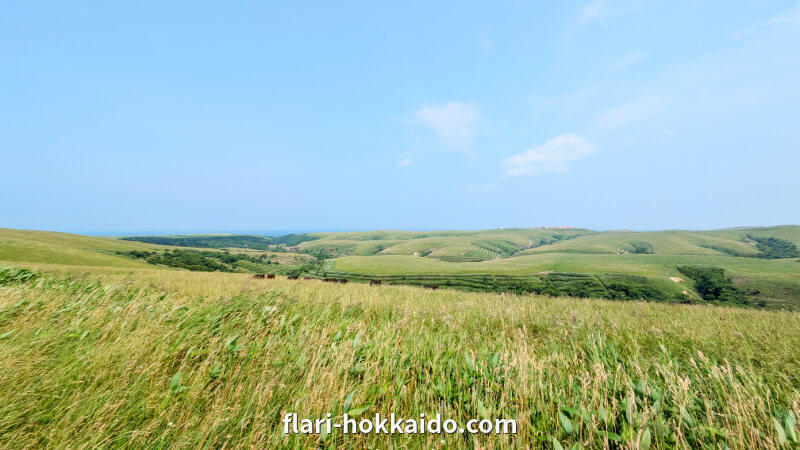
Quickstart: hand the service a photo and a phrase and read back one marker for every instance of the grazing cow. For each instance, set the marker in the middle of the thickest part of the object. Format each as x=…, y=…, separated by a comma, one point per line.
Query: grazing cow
x=428, y=286
x=259, y=276
x=293, y=277
x=270, y=275
x=341, y=280
x=330, y=280
x=375, y=283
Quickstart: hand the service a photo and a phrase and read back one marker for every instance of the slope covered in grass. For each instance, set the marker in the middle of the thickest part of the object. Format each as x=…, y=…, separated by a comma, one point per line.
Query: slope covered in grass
x=503, y=243
x=66, y=248
x=153, y=358
x=606, y=265
x=773, y=283
x=646, y=265
x=453, y=246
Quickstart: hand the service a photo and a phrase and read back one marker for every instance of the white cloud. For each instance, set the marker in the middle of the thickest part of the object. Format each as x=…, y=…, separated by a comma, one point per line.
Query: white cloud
x=633, y=111
x=484, y=188
x=594, y=11
x=790, y=16
x=603, y=10
x=404, y=163
x=554, y=156
x=454, y=122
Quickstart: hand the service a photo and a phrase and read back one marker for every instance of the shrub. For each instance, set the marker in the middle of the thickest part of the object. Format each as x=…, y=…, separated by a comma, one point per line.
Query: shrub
x=242, y=241
x=641, y=247
x=712, y=284
x=775, y=248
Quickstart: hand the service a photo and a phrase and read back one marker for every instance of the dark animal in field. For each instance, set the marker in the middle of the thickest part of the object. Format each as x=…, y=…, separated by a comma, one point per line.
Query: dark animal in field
x=330, y=280
x=341, y=280
x=259, y=276
x=293, y=277
x=375, y=283
x=428, y=286
x=270, y=275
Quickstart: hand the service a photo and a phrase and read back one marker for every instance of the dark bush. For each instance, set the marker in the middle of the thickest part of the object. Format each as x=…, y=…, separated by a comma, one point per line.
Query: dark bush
x=712, y=284
x=238, y=241
x=774, y=248
x=641, y=247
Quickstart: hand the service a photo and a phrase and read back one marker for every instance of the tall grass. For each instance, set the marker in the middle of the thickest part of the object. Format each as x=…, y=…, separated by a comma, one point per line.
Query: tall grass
x=152, y=358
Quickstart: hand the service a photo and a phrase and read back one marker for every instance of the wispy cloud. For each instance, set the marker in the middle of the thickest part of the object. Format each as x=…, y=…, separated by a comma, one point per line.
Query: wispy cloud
x=554, y=156
x=790, y=16
x=630, y=112
x=404, y=163
x=483, y=188
x=603, y=10
x=454, y=122
x=594, y=11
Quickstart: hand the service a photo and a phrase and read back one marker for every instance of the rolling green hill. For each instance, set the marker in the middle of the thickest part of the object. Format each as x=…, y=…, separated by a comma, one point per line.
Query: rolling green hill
x=451, y=246
x=69, y=249
x=44, y=247
x=763, y=273
x=504, y=243
x=761, y=262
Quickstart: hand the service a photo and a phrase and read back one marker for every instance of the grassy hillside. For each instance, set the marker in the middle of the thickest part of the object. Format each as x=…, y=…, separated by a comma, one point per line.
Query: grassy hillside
x=660, y=242
x=114, y=357
x=43, y=247
x=453, y=246
x=65, y=248
x=646, y=265
x=503, y=243
x=656, y=255
x=577, y=262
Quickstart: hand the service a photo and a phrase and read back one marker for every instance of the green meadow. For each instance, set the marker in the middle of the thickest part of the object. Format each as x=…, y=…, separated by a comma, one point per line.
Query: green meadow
x=771, y=279
x=761, y=262
x=101, y=349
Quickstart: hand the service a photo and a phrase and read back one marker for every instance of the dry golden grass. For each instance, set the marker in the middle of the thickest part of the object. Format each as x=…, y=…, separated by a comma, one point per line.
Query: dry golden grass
x=89, y=358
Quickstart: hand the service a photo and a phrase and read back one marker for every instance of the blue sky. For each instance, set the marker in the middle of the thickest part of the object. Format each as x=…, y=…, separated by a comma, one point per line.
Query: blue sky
x=195, y=116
